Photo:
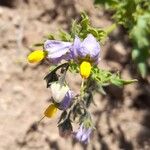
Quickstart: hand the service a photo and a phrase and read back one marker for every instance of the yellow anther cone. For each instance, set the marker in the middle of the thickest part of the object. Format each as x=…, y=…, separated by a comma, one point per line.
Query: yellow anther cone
x=50, y=111
x=85, y=69
x=36, y=56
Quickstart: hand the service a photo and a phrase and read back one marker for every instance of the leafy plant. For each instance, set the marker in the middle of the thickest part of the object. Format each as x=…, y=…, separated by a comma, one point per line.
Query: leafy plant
x=80, y=49
x=134, y=15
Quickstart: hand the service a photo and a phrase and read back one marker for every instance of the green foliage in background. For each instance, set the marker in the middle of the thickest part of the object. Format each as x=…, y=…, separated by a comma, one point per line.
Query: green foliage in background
x=134, y=15
x=74, y=106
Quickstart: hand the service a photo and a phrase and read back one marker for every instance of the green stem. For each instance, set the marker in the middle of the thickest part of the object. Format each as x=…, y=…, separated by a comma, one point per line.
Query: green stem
x=82, y=89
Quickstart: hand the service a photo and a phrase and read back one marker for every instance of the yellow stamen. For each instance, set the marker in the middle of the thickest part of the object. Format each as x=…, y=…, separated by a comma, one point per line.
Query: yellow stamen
x=85, y=69
x=36, y=56
x=50, y=111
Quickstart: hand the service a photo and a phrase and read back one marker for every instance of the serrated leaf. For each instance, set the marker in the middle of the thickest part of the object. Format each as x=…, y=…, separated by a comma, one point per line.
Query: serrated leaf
x=50, y=37
x=85, y=23
x=93, y=31
x=65, y=36
x=116, y=82
x=104, y=78
x=75, y=29
x=125, y=82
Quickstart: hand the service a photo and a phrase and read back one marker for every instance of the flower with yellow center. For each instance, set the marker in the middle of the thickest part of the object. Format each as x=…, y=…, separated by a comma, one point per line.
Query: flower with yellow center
x=54, y=51
x=86, y=53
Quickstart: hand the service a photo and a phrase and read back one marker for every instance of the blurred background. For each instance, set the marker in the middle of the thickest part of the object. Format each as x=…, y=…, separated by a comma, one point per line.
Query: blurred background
x=122, y=117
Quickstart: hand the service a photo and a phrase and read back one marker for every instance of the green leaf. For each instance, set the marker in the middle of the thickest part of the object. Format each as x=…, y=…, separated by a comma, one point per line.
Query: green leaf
x=104, y=78
x=120, y=82
x=134, y=15
x=85, y=23
x=75, y=29
x=101, y=89
x=94, y=32
x=142, y=68
x=116, y=81
x=65, y=36
x=50, y=37
x=38, y=44
x=73, y=67
x=135, y=54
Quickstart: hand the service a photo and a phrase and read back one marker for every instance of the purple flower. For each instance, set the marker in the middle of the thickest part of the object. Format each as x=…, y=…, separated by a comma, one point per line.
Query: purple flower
x=57, y=50
x=88, y=49
x=83, y=134
x=65, y=103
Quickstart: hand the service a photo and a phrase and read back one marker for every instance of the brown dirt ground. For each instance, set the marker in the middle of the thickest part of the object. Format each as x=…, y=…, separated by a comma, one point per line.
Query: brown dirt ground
x=122, y=117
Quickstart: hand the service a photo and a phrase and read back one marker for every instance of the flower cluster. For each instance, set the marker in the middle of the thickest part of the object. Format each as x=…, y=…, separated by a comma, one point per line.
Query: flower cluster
x=82, y=56
x=83, y=53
